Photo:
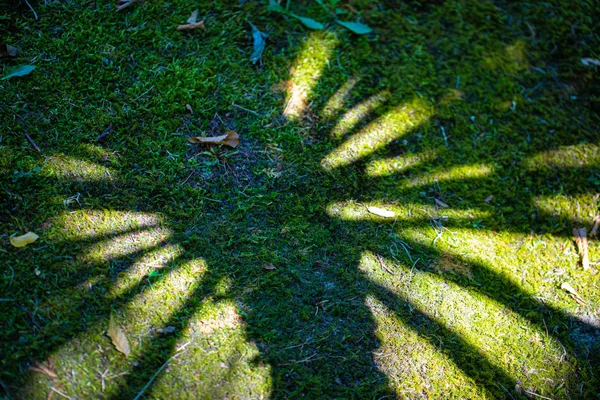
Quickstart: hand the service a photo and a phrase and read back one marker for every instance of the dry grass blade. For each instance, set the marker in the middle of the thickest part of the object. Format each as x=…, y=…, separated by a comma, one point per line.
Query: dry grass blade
x=385, y=268
x=441, y=203
x=596, y=222
x=118, y=337
x=43, y=369
x=579, y=235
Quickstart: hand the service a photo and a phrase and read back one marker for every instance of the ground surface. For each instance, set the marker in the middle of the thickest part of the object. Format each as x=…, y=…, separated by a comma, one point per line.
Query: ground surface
x=480, y=106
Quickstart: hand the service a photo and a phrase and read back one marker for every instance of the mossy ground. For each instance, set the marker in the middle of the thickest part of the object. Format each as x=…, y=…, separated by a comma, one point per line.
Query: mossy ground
x=483, y=106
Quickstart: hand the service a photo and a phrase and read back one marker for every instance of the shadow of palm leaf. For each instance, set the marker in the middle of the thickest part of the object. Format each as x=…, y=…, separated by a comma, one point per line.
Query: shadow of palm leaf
x=332, y=295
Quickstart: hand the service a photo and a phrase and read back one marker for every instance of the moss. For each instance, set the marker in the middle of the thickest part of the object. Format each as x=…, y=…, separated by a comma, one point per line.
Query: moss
x=481, y=106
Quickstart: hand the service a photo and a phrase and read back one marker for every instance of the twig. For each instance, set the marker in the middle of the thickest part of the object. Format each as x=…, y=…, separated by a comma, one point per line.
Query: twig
x=245, y=109
x=189, y=176
x=389, y=271
x=106, y=132
x=137, y=98
x=537, y=395
x=34, y=13
x=596, y=224
x=179, y=352
x=32, y=142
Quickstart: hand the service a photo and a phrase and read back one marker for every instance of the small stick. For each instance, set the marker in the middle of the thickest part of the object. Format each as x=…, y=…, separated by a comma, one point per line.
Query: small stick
x=389, y=271
x=106, y=132
x=59, y=392
x=188, y=27
x=32, y=142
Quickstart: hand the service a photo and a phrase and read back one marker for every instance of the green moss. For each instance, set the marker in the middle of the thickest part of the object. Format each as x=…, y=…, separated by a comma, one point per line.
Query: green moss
x=481, y=106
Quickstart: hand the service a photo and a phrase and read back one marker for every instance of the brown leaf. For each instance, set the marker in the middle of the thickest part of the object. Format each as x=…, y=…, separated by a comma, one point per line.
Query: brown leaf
x=269, y=267
x=230, y=139
x=579, y=234
x=572, y=292
x=189, y=27
x=121, y=4
x=7, y=50
x=189, y=108
x=118, y=337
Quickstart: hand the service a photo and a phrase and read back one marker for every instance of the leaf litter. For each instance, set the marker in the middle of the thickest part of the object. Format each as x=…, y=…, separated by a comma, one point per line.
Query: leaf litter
x=23, y=240
x=118, y=337
x=231, y=139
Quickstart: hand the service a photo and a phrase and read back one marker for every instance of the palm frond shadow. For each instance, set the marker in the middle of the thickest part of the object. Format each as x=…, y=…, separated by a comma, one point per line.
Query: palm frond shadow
x=348, y=329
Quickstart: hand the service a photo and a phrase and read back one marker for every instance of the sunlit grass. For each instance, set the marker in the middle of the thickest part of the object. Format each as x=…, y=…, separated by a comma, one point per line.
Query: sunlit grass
x=378, y=133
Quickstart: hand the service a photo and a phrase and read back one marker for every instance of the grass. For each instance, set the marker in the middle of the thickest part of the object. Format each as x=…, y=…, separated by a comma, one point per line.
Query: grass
x=481, y=106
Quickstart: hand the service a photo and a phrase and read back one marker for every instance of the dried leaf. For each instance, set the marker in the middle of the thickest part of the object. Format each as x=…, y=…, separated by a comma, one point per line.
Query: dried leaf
x=381, y=212
x=23, y=240
x=7, y=50
x=118, y=337
x=121, y=4
x=572, y=292
x=189, y=27
x=189, y=108
x=269, y=267
x=193, y=18
x=19, y=70
x=259, y=44
x=489, y=198
x=579, y=234
x=441, y=203
x=590, y=61
x=230, y=139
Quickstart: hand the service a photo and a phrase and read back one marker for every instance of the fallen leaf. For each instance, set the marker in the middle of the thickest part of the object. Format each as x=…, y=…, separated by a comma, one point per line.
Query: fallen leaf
x=269, y=267
x=572, y=292
x=579, y=235
x=441, y=203
x=259, y=44
x=381, y=212
x=189, y=27
x=489, y=198
x=189, y=108
x=19, y=70
x=118, y=337
x=356, y=27
x=596, y=225
x=590, y=61
x=7, y=50
x=193, y=18
x=231, y=139
x=121, y=4
x=23, y=240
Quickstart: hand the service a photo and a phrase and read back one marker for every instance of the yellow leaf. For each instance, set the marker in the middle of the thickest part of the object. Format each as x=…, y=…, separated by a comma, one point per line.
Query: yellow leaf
x=231, y=139
x=118, y=337
x=23, y=240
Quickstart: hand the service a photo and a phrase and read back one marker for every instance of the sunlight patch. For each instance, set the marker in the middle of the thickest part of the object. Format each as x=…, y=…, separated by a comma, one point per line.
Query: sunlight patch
x=399, y=164
x=448, y=174
x=338, y=100
x=78, y=170
x=358, y=113
x=97, y=224
x=565, y=157
x=379, y=133
x=457, y=311
x=306, y=71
